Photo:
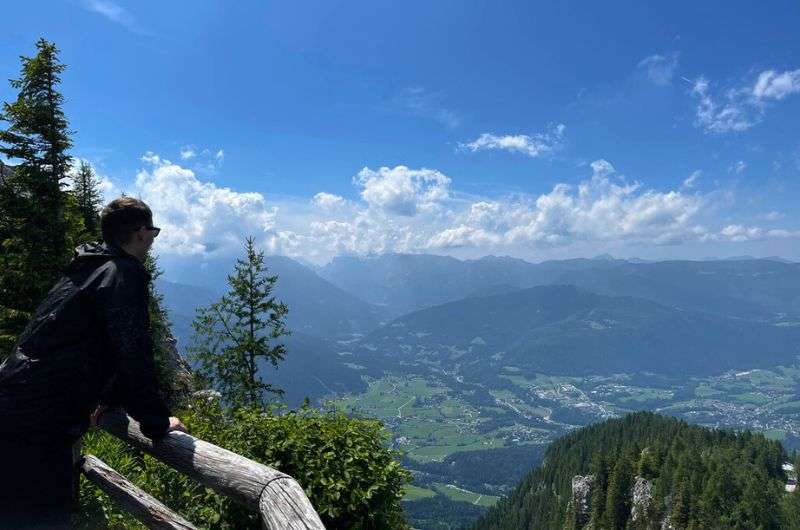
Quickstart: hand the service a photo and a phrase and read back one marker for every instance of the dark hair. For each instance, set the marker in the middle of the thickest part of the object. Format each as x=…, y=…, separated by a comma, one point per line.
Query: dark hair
x=121, y=217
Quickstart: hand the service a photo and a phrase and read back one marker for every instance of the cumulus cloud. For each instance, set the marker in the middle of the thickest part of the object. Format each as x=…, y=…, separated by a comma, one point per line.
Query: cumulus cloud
x=199, y=217
x=327, y=200
x=739, y=108
x=598, y=209
x=188, y=152
x=660, y=69
x=602, y=168
x=532, y=145
x=402, y=209
x=401, y=190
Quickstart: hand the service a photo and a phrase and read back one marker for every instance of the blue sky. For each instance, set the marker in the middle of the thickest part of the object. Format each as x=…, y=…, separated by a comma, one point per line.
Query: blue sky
x=539, y=130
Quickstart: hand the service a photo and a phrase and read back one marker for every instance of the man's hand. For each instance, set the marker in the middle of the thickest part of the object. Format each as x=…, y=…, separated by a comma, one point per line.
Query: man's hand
x=176, y=425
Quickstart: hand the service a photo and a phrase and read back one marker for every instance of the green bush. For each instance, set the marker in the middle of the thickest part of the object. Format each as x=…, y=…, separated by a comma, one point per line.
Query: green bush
x=351, y=478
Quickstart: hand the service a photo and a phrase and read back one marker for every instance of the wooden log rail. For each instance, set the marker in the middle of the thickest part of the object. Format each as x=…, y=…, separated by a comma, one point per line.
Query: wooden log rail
x=277, y=497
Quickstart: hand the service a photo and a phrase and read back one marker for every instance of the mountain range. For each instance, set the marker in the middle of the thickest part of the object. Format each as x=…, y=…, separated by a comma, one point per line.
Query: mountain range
x=371, y=314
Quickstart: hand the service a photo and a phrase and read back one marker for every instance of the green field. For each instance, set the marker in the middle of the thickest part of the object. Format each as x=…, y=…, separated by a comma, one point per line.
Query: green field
x=414, y=493
x=427, y=420
x=461, y=495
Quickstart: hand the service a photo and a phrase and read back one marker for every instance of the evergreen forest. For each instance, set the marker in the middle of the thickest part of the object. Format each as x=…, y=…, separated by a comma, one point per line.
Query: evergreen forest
x=650, y=471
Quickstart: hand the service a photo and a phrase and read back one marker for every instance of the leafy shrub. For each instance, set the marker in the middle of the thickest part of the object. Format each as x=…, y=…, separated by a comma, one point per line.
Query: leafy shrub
x=351, y=478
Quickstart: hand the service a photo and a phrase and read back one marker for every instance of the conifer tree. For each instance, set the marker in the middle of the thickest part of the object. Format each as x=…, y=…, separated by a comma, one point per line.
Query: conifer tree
x=88, y=200
x=618, y=495
x=233, y=334
x=681, y=505
x=597, y=504
x=34, y=232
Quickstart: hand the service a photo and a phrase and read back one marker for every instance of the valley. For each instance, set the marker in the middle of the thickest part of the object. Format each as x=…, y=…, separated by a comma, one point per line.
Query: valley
x=474, y=383
x=431, y=421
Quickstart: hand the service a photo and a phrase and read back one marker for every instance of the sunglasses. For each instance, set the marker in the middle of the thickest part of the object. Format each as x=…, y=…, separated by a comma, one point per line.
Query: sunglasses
x=155, y=229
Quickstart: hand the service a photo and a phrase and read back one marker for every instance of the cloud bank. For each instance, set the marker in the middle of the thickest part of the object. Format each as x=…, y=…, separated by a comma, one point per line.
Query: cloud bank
x=401, y=209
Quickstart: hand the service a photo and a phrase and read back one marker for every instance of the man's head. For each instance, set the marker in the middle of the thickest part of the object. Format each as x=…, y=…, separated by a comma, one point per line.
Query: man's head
x=128, y=223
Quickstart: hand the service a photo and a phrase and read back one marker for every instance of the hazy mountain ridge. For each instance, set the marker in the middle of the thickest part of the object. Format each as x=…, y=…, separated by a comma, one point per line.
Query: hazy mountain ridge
x=757, y=289
x=316, y=307
x=568, y=330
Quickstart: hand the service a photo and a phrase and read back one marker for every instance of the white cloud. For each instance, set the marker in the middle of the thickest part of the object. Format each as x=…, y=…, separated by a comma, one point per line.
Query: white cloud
x=113, y=12
x=733, y=114
x=740, y=233
x=199, y=217
x=690, y=181
x=660, y=69
x=152, y=158
x=531, y=145
x=220, y=155
x=188, y=152
x=739, y=108
x=596, y=210
x=401, y=190
x=772, y=85
x=328, y=200
x=602, y=168
x=738, y=167
x=773, y=216
x=402, y=209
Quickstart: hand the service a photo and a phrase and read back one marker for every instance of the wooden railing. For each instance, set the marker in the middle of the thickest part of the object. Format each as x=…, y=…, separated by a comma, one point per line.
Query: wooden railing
x=277, y=497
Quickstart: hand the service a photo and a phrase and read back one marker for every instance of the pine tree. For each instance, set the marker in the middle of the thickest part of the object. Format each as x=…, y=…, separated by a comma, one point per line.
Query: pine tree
x=34, y=225
x=681, y=506
x=597, y=504
x=618, y=495
x=88, y=200
x=232, y=334
x=648, y=464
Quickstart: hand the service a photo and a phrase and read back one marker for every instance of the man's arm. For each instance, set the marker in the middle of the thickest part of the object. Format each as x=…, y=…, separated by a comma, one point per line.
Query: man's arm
x=124, y=313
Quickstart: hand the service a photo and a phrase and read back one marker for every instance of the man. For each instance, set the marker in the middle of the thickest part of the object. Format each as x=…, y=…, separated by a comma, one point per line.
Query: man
x=86, y=346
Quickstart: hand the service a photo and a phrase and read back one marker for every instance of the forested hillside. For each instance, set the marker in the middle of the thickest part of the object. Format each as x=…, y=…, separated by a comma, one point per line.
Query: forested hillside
x=645, y=471
x=564, y=329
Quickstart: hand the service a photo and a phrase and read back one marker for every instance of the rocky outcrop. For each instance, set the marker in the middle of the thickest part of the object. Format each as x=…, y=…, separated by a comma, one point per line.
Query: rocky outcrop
x=641, y=495
x=180, y=374
x=580, y=502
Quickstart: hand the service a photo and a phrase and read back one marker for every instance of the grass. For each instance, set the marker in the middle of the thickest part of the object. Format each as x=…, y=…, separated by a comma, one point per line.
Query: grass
x=434, y=422
x=414, y=493
x=755, y=398
x=461, y=495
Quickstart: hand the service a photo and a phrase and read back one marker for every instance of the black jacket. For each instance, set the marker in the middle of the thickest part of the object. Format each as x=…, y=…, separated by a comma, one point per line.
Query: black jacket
x=87, y=342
